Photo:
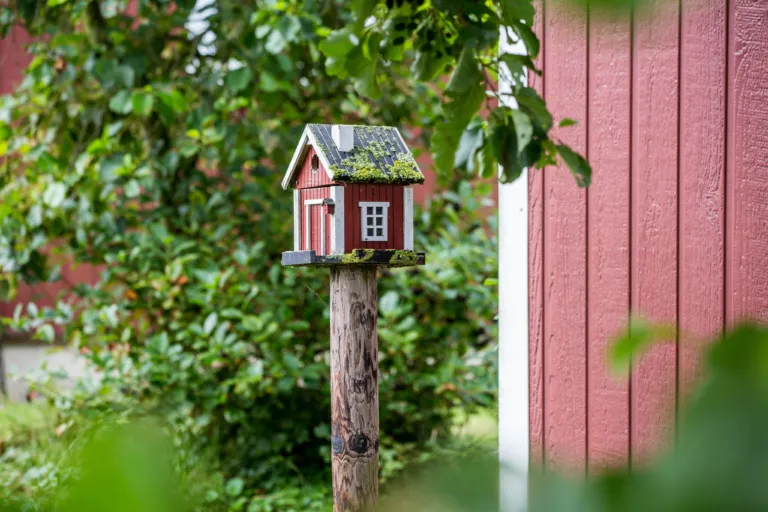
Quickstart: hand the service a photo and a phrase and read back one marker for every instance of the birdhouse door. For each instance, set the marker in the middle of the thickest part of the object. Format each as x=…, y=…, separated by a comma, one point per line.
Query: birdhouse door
x=317, y=236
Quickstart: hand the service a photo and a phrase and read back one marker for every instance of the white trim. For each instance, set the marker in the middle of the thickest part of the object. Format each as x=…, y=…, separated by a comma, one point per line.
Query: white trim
x=408, y=218
x=514, y=401
x=307, y=227
x=308, y=217
x=307, y=139
x=296, y=220
x=322, y=232
x=385, y=226
x=337, y=226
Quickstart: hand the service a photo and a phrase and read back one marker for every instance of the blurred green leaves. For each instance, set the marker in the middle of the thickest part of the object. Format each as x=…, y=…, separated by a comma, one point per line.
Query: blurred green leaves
x=454, y=47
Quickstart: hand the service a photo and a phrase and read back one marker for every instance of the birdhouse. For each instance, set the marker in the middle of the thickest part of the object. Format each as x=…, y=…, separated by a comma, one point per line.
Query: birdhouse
x=352, y=197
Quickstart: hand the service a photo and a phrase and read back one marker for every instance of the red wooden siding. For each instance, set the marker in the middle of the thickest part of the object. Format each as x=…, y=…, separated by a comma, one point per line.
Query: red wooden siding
x=353, y=194
x=673, y=114
x=307, y=178
x=317, y=215
x=565, y=405
x=608, y=235
x=536, y=278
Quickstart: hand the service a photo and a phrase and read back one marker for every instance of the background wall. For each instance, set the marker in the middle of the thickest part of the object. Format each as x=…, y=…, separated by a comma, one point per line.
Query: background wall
x=672, y=107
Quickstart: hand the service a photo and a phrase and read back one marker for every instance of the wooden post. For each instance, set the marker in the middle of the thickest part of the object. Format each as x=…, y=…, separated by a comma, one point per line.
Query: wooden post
x=354, y=389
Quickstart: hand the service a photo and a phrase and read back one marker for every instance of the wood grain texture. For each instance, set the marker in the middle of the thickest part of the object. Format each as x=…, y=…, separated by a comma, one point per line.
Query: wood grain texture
x=747, y=173
x=702, y=181
x=654, y=219
x=536, y=276
x=565, y=294
x=610, y=72
x=354, y=193
x=309, y=179
x=354, y=389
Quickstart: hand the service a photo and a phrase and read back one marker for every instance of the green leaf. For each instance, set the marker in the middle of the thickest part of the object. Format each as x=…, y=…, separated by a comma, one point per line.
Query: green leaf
x=466, y=75
x=132, y=189
x=529, y=38
x=516, y=11
x=567, y=122
x=54, y=194
x=579, y=167
x=46, y=333
x=523, y=128
x=235, y=487
x=338, y=44
x=238, y=79
x=210, y=323
x=142, y=103
x=121, y=102
x=638, y=336
x=491, y=281
x=531, y=103
x=457, y=115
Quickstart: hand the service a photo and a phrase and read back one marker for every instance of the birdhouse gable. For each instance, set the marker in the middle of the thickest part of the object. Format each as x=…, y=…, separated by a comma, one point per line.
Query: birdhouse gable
x=356, y=154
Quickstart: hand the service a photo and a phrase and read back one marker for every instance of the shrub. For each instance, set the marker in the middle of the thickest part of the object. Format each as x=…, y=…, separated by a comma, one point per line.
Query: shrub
x=155, y=154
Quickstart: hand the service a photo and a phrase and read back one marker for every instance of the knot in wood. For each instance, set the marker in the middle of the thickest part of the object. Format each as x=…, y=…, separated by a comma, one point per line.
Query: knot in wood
x=359, y=443
x=337, y=444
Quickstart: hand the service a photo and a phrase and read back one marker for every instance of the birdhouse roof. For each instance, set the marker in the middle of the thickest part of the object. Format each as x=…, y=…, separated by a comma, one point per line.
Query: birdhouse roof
x=379, y=155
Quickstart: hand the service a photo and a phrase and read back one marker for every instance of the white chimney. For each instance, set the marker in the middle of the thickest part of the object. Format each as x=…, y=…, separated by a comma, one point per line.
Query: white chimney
x=343, y=136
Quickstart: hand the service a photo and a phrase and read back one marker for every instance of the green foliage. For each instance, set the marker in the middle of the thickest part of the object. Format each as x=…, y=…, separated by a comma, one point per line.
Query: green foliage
x=154, y=153
x=717, y=461
x=458, y=39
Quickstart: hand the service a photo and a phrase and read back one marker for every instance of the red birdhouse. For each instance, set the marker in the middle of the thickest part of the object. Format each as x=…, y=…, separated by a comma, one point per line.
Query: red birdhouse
x=352, y=197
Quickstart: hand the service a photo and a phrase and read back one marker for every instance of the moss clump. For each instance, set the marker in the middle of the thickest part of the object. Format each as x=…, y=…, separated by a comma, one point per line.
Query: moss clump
x=353, y=257
x=362, y=168
x=403, y=258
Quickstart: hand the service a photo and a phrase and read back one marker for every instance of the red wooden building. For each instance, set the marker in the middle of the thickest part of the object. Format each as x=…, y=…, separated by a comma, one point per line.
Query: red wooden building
x=351, y=191
x=672, y=110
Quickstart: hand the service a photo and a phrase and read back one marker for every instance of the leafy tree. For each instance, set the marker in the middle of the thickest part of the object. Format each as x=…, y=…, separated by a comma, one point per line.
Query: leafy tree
x=460, y=38
x=149, y=140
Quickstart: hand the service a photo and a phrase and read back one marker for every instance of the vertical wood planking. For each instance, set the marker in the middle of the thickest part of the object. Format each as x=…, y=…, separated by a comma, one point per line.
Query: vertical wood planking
x=654, y=218
x=746, y=177
x=565, y=297
x=309, y=179
x=702, y=180
x=536, y=275
x=610, y=74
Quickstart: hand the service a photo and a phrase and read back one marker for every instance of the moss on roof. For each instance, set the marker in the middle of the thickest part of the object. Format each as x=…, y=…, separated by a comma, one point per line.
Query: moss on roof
x=378, y=156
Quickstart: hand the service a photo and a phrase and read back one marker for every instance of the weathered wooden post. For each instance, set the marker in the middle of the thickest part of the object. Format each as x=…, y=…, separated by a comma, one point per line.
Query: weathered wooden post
x=353, y=212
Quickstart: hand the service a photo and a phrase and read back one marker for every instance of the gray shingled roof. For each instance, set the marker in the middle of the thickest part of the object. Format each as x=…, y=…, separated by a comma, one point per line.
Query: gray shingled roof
x=379, y=155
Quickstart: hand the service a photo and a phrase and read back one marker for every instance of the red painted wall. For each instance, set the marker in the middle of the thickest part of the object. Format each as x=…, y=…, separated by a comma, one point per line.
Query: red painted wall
x=316, y=211
x=673, y=114
x=309, y=179
x=353, y=194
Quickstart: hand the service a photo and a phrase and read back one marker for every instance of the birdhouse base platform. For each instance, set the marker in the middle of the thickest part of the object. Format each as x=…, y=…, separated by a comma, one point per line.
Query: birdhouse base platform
x=371, y=257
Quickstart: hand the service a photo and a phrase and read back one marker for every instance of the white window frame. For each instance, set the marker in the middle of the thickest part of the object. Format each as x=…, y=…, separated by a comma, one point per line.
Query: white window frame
x=363, y=217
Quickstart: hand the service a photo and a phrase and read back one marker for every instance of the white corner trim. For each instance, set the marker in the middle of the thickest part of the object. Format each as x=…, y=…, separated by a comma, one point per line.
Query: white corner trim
x=307, y=227
x=307, y=139
x=296, y=220
x=385, y=221
x=337, y=223
x=408, y=218
x=514, y=398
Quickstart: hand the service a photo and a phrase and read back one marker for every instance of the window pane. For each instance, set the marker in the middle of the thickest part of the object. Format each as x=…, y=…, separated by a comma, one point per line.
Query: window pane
x=379, y=210
x=379, y=221
x=370, y=210
x=369, y=221
x=370, y=231
x=379, y=232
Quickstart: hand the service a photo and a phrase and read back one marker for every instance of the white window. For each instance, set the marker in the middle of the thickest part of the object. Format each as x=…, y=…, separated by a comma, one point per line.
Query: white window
x=373, y=218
